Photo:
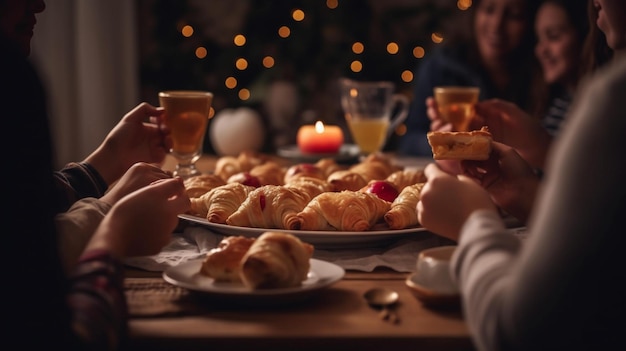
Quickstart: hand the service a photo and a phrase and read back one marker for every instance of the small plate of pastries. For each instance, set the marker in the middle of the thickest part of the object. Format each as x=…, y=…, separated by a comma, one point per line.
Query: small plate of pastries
x=323, y=203
x=275, y=268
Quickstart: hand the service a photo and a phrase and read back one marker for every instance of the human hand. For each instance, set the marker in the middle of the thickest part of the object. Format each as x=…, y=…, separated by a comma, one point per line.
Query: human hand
x=142, y=222
x=436, y=122
x=512, y=126
x=140, y=136
x=446, y=201
x=508, y=178
x=138, y=175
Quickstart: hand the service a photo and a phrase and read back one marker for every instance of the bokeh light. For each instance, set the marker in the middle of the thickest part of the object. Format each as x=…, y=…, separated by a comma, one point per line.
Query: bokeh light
x=284, y=32
x=187, y=31
x=268, y=62
x=201, y=52
x=230, y=82
x=356, y=66
x=241, y=64
x=393, y=48
x=244, y=94
x=358, y=48
x=239, y=40
x=436, y=38
x=418, y=52
x=297, y=15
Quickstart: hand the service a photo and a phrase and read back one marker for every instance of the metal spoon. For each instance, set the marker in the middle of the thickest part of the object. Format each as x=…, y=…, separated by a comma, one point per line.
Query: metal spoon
x=383, y=298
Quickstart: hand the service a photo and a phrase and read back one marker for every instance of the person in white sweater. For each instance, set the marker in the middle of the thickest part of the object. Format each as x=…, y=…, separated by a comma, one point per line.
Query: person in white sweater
x=562, y=287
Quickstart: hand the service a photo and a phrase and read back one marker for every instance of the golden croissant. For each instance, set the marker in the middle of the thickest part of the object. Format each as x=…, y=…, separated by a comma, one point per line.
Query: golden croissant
x=269, y=206
x=345, y=211
x=406, y=177
x=403, y=212
x=199, y=185
x=311, y=186
x=276, y=260
x=346, y=180
x=223, y=263
x=220, y=202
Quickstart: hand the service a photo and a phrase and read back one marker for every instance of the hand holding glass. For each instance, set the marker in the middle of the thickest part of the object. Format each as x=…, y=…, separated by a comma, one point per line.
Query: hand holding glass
x=456, y=105
x=368, y=108
x=187, y=117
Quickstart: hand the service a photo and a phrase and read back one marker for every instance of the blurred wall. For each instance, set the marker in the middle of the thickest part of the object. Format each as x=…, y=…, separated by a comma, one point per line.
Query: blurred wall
x=86, y=54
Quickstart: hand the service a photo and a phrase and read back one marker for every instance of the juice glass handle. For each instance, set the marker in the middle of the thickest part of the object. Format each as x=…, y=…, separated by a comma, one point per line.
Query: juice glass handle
x=401, y=106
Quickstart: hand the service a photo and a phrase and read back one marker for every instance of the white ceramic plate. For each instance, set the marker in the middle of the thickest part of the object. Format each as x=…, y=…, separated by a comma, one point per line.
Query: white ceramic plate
x=318, y=238
x=347, y=153
x=187, y=275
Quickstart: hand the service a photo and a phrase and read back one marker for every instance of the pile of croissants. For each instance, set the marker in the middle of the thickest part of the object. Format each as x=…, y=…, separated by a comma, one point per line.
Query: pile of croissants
x=252, y=190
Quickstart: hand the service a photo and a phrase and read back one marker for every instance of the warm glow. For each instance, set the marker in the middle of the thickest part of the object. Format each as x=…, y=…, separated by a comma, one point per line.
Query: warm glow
x=244, y=94
x=401, y=129
x=319, y=127
x=392, y=48
x=284, y=31
x=211, y=112
x=332, y=4
x=464, y=4
x=230, y=82
x=407, y=76
x=418, y=52
x=239, y=40
x=268, y=62
x=297, y=15
x=354, y=93
x=356, y=66
x=241, y=64
x=201, y=52
x=187, y=31
x=436, y=38
x=358, y=48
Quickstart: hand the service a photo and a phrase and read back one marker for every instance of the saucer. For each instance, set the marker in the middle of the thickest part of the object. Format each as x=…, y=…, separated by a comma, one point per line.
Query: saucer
x=348, y=153
x=430, y=297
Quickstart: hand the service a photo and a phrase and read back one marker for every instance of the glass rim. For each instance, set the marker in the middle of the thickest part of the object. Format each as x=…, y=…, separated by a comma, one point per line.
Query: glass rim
x=448, y=88
x=185, y=93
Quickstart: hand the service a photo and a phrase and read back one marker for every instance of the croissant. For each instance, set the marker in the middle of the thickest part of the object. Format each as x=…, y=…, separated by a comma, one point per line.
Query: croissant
x=220, y=202
x=198, y=185
x=276, y=260
x=406, y=177
x=375, y=167
x=327, y=165
x=345, y=211
x=249, y=159
x=303, y=170
x=403, y=213
x=226, y=166
x=269, y=206
x=346, y=180
x=223, y=263
x=269, y=173
x=311, y=186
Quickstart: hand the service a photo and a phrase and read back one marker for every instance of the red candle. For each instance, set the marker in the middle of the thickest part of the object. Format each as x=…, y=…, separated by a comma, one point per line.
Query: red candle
x=319, y=139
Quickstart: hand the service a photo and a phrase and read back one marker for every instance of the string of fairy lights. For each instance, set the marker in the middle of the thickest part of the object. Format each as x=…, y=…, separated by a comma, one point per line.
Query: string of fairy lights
x=284, y=32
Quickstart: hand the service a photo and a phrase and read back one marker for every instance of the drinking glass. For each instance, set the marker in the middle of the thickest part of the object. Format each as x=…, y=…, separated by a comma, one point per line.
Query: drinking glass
x=187, y=116
x=372, y=111
x=456, y=105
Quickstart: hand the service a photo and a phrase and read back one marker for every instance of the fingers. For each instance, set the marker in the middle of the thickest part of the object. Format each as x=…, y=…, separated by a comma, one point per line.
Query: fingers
x=145, y=112
x=432, y=170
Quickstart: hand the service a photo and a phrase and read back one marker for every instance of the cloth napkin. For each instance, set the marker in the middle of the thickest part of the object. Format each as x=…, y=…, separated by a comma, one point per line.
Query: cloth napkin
x=195, y=242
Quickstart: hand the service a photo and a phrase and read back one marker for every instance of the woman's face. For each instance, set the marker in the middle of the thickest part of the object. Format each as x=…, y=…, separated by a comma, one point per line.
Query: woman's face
x=612, y=21
x=558, y=47
x=500, y=27
x=17, y=21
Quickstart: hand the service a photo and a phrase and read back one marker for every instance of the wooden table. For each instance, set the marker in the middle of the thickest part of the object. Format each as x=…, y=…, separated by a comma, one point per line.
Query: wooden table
x=165, y=317
x=337, y=318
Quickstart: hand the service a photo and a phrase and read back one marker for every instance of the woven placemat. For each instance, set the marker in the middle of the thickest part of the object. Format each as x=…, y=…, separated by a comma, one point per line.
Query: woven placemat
x=150, y=297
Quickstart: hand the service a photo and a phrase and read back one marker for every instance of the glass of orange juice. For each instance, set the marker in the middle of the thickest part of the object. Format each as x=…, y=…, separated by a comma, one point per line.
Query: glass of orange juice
x=369, y=111
x=187, y=117
x=456, y=105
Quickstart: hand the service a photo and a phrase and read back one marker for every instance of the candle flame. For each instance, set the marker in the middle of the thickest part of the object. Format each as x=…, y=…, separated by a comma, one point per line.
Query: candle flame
x=319, y=127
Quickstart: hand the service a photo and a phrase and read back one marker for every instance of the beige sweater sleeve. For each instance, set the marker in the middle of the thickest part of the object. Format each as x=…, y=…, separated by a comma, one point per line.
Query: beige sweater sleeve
x=76, y=227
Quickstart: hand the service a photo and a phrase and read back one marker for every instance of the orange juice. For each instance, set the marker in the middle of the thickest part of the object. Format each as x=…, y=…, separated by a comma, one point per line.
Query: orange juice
x=187, y=116
x=456, y=105
x=369, y=134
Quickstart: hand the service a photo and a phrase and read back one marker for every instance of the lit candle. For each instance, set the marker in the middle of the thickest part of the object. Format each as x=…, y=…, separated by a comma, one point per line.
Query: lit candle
x=319, y=139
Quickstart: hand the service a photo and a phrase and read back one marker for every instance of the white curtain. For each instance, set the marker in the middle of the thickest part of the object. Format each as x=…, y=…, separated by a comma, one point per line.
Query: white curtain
x=86, y=53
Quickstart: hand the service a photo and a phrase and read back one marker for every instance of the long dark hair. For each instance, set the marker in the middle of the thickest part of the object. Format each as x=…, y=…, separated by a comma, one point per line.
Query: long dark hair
x=578, y=14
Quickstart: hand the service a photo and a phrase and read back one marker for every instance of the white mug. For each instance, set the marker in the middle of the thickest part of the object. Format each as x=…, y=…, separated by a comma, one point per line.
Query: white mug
x=433, y=269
